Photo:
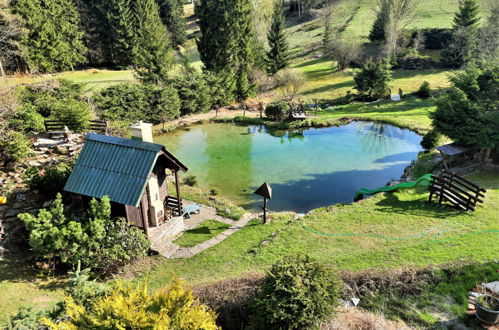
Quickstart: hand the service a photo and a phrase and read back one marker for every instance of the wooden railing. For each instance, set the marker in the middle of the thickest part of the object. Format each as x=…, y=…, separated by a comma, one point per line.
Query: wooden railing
x=175, y=205
x=456, y=190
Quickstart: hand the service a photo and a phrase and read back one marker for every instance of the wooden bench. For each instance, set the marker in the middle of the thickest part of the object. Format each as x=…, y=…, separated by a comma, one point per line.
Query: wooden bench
x=461, y=193
x=57, y=126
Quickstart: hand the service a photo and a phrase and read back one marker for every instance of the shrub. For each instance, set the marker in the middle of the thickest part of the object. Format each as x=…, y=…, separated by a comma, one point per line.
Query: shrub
x=27, y=120
x=97, y=241
x=50, y=180
x=75, y=114
x=193, y=92
x=131, y=102
x=289, y=81
x=82, y=289
x=127, y=307
x=424, y=90
x=297, y=292
x=43, y=97
x=263, y=81
x=414, y=62
x=14, y=147
x=190, y=180
x=343, y=51
x=436, y=38
x=430, y=139
x=123, y=102
x=277, y=111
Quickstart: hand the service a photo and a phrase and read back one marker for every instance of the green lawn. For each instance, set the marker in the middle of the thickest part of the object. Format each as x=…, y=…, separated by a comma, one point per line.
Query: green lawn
x=415, y=233
x=201, y=233
x=22, y=286
x=411, y=113
x=95, y=79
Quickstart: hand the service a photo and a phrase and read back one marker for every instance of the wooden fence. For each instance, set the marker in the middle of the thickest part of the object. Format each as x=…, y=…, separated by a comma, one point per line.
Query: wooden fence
x=456, y=190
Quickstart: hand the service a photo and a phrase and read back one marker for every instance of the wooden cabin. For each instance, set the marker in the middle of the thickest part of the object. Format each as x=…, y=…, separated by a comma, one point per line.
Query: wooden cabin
x=132, y=173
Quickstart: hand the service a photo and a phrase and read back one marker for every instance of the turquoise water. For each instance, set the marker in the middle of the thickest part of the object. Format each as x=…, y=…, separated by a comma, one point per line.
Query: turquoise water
x=306, y=168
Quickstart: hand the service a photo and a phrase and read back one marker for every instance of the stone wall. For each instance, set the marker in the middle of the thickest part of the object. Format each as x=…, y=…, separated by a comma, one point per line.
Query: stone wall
x=20, y=198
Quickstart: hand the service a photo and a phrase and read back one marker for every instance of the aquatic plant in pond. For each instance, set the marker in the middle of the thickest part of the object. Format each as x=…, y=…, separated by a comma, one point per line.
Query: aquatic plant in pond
x=306, y=168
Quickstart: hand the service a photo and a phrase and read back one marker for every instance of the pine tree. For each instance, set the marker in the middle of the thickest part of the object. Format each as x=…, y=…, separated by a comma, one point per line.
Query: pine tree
x=122, y=32
x=54, y=41
x=278, y=55
x=172, y=15
x=463, y=45
x=152, y=56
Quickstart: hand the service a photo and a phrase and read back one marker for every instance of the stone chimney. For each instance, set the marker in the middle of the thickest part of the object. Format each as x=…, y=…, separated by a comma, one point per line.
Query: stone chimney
x=142, y=131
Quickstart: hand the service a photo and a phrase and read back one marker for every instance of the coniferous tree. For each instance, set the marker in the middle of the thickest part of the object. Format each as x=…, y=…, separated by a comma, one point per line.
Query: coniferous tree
x=489, y=42
x=122, y=32
x=172, y=15
x=278, y=55
x=54, y=41
x=463, y=45
x=152, y=57
x=226, y=43
x=377, y=33
x=244, y=37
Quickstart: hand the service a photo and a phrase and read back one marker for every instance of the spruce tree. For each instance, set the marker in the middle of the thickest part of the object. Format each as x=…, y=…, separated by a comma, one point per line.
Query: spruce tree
x=122, y=31
x=463, y=45
x=172, y=15
x=278, y=55
x=226, y=43
x=54, y=41
x=244, y=37
x=377, y=33
x=152, y=56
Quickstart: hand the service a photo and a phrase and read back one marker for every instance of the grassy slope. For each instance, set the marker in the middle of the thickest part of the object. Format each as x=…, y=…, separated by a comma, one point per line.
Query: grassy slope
x=450, y=237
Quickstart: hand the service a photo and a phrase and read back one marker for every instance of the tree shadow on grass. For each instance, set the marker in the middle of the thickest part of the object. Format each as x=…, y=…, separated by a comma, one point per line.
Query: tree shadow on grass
x=392, y=204
x=19, y=268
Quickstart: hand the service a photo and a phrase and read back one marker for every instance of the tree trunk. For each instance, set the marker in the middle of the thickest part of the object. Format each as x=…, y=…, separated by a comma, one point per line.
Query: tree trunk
x=2, y=73
x=485, y=155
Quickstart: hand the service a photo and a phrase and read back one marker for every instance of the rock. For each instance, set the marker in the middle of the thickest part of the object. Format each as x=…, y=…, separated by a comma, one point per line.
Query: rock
x=61, y=150
x=355, y=301
x=34, y=163
x=21, y=197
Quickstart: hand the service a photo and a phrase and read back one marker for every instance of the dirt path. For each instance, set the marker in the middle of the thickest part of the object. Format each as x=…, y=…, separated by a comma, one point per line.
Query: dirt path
x=222, y=113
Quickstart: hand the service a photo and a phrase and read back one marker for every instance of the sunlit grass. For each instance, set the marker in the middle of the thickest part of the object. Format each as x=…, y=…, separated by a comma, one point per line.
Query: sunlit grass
x=201, y=233
x=442, y=235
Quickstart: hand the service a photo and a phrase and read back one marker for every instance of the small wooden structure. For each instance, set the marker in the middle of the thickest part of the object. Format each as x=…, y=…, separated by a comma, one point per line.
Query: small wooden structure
x=460, y=192
x=450, y=150
x=266, y=192
x=99, y=126
x=132, y=173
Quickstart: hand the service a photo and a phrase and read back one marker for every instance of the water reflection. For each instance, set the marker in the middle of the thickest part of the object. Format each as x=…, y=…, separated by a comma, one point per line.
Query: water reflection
x=307, y=167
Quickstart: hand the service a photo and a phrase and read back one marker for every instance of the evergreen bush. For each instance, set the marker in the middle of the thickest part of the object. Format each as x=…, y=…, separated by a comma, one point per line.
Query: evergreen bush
x=277, y=111
x=424, y=90
x=96, y=240
x=14, y=147
x=430, y=139
x=127, y=307
x=297, y=292
x=50, y=180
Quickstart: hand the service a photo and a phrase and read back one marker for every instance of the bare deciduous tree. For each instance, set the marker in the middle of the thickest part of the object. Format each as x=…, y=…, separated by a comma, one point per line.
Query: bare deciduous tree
x=399, y=14
x=343, y=51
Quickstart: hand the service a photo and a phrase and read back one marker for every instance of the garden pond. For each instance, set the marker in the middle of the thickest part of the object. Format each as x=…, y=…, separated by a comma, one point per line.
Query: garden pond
x=307, y=168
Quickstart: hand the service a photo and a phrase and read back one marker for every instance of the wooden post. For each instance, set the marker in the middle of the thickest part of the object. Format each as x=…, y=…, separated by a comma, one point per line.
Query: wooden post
x=264, y=210
x=177, y=188
x=145, y=220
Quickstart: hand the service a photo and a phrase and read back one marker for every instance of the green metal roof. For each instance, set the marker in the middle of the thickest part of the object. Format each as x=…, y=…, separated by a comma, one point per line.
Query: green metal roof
x=112, y=166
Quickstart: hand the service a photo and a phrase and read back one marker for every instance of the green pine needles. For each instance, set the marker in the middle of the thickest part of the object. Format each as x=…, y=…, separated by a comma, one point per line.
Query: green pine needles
x=226, y=43
x=53, y=41
x=278, y=54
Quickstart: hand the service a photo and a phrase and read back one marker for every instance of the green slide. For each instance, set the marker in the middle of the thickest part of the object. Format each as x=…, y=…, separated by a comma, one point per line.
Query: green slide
x=422, y=181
